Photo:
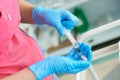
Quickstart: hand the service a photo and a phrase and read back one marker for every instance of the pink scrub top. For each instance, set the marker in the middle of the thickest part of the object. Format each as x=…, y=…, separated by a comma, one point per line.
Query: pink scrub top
x=17, y=50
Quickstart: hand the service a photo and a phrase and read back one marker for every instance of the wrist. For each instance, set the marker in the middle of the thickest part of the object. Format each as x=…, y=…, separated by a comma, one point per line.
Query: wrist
x=37, y=14
x=41, y=69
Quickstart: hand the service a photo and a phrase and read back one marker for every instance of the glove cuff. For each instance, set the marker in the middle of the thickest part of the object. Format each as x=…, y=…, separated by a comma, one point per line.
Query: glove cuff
x=36, y=73
x=36, y=14
x=41, y=69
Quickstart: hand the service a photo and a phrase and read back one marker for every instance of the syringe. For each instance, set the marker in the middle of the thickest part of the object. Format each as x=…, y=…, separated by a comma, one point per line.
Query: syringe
x=74, y=43
x=76, y=46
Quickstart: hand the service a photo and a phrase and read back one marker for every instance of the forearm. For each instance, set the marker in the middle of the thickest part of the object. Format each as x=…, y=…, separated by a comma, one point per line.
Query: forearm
x=25, y=74
x=26, y=11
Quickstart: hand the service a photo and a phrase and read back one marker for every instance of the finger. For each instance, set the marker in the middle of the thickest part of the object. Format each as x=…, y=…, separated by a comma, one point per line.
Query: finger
x=74, y=71
x=68, y=25
x=72, y=52
x=69, y=20
x=88, y=52
x=71, y=17
x=76, y=56
x=80, y=57
x=83, y=47
x=60, y=28
x=89, y=56
x=87, y=49
x=81, y=64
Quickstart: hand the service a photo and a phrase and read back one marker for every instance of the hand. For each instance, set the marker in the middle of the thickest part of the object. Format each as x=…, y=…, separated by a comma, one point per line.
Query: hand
x=85, y=50
x=57, y=18
x=72, y=63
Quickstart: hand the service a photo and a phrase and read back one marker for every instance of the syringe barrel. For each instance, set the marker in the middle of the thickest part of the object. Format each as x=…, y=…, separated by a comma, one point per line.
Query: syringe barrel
x=74, y=43
x=70, y=37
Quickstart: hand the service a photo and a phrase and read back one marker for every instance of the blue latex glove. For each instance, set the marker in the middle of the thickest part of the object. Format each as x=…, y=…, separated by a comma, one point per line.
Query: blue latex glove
x=71, y=63
x=54, y=17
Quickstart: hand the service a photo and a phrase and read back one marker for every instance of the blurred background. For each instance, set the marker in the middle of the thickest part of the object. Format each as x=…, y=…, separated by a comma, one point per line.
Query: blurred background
x=92, y=14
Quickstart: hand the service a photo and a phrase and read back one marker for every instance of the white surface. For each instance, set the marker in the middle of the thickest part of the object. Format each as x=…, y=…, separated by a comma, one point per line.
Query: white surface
x=105, y=51
x=102, y=33
x=93, y=73
x=119, y=51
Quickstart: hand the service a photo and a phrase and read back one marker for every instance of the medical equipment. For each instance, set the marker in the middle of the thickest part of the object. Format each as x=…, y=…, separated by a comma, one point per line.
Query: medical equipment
x=75, y=44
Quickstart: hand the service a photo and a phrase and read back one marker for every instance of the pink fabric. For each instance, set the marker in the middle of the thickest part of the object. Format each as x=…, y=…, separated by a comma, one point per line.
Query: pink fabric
x=17, y=50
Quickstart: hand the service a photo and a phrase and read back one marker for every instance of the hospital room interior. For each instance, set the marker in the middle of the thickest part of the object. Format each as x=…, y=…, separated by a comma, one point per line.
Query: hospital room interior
x=99, y=26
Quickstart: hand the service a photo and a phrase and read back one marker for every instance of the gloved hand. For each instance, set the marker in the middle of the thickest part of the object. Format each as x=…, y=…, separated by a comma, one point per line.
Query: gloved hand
x=71, y=63
x=57, y=18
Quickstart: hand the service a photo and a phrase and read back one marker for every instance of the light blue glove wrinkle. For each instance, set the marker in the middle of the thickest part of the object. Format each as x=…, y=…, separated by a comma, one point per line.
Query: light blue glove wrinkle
x=54, y=17
x=40, y=69
x=71, y=63
x=57, y=64
x=85, y=50
x=69, y=20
